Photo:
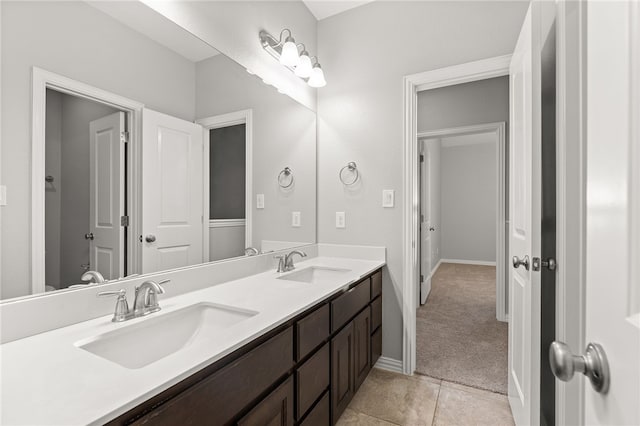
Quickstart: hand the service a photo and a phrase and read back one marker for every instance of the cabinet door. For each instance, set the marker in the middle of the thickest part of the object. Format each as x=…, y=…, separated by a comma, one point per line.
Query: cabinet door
x=275, y=410
x=362, y=352
x=342, y=372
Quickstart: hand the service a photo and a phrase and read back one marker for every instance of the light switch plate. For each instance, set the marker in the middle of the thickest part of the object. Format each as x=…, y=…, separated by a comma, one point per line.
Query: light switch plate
x=260, y=201
x=3, y=195
x=340, y=220
x=295, y=219
x=388, y=197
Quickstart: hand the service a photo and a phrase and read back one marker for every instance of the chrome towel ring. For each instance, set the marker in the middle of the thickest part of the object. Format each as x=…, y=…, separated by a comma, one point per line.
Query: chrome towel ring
x=344, y=174
x=285, y=178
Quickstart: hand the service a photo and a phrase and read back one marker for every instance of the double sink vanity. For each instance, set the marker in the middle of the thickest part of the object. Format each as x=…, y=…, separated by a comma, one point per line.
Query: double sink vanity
x=290, y=348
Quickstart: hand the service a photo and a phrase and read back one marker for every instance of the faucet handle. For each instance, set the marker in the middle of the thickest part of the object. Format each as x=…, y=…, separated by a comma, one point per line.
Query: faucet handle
x=121, y=312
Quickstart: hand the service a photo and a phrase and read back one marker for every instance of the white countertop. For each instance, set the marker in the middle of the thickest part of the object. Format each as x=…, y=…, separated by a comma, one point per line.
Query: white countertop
x=47, y=380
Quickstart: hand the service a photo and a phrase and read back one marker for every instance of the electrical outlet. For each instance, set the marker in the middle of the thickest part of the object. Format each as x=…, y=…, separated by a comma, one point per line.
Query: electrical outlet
x=295, y=219
x=340, y=220
x=387, y=197
x=260, y=201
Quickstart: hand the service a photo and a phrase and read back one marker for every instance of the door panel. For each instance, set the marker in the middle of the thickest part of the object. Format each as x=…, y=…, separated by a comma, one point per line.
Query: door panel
x=172, y=192
x=106, y=195
x=612, y=308
x=524, y=231
x=342, y=371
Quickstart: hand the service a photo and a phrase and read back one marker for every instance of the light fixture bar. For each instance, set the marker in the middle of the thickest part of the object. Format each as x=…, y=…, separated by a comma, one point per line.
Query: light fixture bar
x=274, y=46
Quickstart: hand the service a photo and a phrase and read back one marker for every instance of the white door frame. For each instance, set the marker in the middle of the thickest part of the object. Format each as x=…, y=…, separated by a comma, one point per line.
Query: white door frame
x=245, y=117
x=42, y=80
x=457, y=74
x=500, y=130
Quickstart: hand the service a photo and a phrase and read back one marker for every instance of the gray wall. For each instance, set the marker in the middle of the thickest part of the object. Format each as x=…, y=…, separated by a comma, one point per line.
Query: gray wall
x=468, y=209
x=52, y=195
x=478, y=102
x=46, y=35
x=226, y=242
x=284, y=134
x=365, y=53
x=227, y=172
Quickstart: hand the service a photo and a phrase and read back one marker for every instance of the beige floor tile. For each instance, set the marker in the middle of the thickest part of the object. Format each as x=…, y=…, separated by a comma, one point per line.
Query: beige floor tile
x=353, y=418
x=461, y=405
x=397, y=398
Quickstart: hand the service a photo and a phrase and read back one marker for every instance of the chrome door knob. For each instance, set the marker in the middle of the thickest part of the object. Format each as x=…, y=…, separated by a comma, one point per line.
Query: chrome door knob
x=593, y=364
x=150, y=238
x=88, y=236
x=517, y=262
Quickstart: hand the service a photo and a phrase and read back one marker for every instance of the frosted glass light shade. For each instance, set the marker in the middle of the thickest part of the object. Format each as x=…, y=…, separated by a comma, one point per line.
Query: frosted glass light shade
x=303, y=70
x=289, y=56
x=317, y=77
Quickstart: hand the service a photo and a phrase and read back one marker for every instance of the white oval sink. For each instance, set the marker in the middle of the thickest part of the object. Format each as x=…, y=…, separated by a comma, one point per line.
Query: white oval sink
x=145, y=342
x=315, y=274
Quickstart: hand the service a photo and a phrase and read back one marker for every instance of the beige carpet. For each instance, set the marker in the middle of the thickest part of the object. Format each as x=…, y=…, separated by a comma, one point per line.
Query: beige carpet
x=458, y=336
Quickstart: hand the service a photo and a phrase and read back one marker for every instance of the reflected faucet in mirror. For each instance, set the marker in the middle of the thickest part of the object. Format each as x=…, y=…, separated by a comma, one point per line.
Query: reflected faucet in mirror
x=93, y=277
x=251, y=251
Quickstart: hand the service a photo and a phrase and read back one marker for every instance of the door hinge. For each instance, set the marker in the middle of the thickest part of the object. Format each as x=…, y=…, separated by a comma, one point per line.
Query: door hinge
x=124, y=220
x=421, y=278
x=421, y=158
x=421, y=218
x=124, y=137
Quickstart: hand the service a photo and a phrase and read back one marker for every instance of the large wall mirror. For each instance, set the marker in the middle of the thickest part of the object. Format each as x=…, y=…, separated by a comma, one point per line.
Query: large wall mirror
x=129, y=146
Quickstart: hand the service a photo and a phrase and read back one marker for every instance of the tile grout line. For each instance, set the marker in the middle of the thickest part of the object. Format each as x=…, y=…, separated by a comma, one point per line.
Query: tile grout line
x=435, y=410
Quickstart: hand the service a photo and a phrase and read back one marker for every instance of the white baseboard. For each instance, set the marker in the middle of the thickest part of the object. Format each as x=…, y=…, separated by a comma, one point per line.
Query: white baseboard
x=435, y=268
x=468, y=262
x=389, y=364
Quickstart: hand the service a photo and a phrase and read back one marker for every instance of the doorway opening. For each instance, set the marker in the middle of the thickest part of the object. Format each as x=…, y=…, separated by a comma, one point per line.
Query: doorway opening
x=85, y=199
x=462, y=251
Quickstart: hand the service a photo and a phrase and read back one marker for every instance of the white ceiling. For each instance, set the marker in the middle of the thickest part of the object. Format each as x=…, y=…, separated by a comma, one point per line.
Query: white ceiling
x=146, y=21
x=324, y=8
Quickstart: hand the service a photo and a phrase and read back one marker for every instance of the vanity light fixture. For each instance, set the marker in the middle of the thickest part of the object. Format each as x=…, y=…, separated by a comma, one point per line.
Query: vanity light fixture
x=317, y=76
x=288, y=53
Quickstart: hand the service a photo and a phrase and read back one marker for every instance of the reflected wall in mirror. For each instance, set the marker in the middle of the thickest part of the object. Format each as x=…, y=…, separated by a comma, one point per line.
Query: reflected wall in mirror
x=140, y=149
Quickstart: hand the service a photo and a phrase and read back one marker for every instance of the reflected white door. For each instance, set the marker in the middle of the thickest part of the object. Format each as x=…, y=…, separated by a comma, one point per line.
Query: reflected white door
x=612, y=309
x=106, y=195
x=172, y=192
x=425, y=224
x=524, y=227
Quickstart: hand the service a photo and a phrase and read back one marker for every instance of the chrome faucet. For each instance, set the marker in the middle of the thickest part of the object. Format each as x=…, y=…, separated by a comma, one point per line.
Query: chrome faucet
x=146, y=301
x=285, y=263
x=93, y=276
x=251, y=251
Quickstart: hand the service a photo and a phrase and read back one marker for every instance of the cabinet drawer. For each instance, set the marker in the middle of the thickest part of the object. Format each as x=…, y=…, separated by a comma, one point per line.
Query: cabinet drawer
x=376, y=346
x=275, y=409
x=346, y=306
x=376, y=313
x=319, y=416
x=376, y=284
x=218, y=398
x=312, y=330
x=312, y=379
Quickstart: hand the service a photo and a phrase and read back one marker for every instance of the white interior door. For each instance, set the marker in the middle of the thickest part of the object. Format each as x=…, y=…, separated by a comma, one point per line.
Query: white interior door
x=425, y=224
x=524, y=228
x=172, y=192
x=612, y=310
x=106, y=196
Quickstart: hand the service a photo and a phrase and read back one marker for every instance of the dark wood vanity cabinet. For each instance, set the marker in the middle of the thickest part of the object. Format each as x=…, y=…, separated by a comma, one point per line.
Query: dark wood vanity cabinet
x=305, y=372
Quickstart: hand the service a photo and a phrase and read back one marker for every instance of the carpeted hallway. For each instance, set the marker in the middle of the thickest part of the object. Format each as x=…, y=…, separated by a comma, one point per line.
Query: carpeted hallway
x=458, y=337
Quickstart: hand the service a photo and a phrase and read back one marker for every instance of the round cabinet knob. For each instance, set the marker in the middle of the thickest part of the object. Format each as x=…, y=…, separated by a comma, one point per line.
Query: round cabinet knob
x=150, y=238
